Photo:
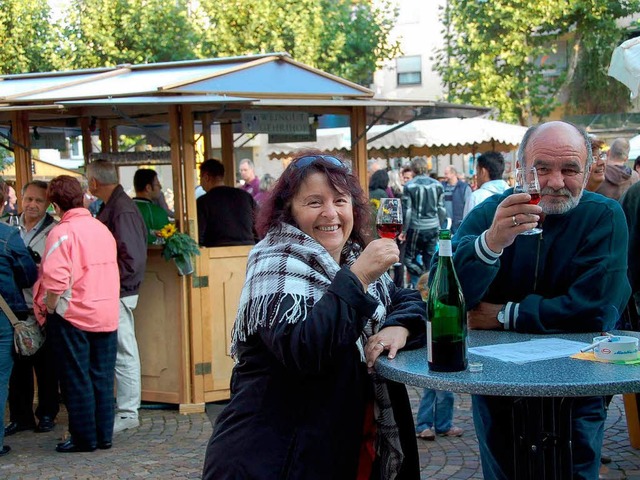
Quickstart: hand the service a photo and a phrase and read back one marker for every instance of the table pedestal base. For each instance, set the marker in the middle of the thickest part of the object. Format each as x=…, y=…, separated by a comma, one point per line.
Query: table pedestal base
x=542, y=430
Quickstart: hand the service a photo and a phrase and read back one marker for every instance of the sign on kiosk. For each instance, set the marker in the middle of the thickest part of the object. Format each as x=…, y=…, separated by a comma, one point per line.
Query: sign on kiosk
x=275, y=121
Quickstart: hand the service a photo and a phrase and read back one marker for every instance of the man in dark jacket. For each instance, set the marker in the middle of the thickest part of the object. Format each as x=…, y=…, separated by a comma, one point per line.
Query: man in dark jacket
x=424, y=214
x=456, y=195
x=123, y=219
x=572, y=278
x=618, y=177
x=226, y=215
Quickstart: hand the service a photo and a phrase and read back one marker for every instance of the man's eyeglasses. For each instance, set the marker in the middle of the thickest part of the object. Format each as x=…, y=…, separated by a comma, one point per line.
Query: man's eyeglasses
x=310, y=159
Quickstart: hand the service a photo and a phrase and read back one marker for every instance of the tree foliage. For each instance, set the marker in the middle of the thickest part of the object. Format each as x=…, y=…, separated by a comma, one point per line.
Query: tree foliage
x=26, y=35
x=496, y=50
x=100, y=33
x=348, y=38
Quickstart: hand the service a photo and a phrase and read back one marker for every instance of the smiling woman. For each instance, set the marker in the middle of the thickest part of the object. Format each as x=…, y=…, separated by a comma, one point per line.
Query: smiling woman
x=316, y=311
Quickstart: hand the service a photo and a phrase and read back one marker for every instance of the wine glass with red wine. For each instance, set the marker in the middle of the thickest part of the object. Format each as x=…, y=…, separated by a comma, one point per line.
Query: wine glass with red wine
x=389, y=218
x=527, y=182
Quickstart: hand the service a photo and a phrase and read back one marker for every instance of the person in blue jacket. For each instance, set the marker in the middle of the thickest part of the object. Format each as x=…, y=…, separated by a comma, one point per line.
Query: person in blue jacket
x=316, y=311
x=17, y=272
x=570, y=278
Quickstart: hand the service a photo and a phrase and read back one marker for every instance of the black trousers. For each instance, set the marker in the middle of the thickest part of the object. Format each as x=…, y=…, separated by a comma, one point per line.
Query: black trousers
x=21, y=388
x=86, y=363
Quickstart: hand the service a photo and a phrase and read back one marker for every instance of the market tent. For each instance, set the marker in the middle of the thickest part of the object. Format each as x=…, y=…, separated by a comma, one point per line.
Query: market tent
x=634, y=147
x=421, y=137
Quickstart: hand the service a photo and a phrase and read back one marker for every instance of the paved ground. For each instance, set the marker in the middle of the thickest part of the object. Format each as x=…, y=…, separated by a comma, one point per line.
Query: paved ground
x=171, y=446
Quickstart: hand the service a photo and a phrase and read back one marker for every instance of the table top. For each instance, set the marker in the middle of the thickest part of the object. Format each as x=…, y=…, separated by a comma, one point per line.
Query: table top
x=560, y=377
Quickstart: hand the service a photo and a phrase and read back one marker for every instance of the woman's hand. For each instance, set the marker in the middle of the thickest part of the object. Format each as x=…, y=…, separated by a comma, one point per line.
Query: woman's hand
x=391, y=339
x=375, y=260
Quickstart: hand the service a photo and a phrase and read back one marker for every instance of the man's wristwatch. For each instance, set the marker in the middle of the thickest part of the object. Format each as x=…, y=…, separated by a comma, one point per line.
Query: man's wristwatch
x=501, y=315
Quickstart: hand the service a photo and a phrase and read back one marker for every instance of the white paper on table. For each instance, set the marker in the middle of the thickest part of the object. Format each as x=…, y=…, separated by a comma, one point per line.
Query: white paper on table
x=531, y=350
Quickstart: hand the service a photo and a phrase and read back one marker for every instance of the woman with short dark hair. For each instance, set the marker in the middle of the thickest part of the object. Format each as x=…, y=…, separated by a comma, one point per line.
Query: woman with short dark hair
x=78, y=295
x=316, y=311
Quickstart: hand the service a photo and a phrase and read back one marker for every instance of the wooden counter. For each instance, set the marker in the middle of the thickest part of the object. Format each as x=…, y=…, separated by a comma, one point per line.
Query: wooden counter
x=183, y=326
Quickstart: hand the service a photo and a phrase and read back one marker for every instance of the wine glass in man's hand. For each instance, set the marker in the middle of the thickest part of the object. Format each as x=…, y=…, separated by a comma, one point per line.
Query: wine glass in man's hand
x=389, y=218
x=527, y=182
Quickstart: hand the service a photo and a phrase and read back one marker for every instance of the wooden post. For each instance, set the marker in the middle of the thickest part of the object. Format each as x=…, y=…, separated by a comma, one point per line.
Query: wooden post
x=86, y=138
x=359, y=147
x=114, y=138
x=105, y=137
x=226, y=139
x=21, y=151
x=206, y=135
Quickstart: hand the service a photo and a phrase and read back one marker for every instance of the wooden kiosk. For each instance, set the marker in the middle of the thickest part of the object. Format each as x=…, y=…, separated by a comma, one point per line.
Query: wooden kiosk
x=183, y=324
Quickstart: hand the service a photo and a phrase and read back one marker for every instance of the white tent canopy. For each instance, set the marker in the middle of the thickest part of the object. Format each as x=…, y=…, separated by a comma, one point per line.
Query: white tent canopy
x=421, y=137
x=634, y=147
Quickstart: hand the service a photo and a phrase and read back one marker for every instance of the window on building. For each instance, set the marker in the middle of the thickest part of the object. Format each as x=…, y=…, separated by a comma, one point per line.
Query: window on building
x=409, y=70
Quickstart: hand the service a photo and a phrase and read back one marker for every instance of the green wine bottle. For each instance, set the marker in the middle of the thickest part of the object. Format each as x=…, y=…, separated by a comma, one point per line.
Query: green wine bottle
x=446, y=322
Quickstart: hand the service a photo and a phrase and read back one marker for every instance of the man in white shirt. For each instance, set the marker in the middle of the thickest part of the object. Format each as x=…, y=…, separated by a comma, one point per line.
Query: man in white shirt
x=489, y=170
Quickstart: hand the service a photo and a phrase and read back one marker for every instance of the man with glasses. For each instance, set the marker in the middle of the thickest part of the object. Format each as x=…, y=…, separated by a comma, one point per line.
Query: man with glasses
x=570, y=278
x=148, y=190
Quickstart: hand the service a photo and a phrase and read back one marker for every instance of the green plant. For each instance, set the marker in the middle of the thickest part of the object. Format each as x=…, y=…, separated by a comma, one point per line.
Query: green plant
x=177, y=244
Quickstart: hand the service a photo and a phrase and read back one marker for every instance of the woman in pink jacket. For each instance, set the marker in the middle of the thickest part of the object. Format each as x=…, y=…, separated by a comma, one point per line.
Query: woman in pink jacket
x=78, y=295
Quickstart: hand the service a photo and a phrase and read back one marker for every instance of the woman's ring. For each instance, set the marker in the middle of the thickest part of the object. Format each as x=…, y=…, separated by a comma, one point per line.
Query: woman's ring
x=515, y=222
x=382, y=344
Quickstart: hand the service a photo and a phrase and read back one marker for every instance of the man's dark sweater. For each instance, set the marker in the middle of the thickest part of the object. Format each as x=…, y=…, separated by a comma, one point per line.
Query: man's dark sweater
x=226, y=216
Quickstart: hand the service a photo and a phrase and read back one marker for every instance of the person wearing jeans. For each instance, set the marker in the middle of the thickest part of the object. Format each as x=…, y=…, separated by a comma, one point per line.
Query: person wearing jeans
x=17, y=271
x=435, y=415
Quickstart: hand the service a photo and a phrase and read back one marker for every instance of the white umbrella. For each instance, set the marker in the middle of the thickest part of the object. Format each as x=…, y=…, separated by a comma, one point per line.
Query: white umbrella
x=625, y=65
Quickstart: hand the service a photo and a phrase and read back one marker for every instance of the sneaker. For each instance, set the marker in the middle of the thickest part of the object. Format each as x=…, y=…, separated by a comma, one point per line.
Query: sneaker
x=452, y=432
x=426, y=434
x=124, y=423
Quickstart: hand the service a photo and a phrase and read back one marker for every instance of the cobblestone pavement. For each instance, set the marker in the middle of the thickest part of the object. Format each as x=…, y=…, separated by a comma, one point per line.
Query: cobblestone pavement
x=168, y=445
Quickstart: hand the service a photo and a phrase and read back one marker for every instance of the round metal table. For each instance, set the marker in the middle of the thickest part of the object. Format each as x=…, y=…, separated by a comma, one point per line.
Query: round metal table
x=542, y=418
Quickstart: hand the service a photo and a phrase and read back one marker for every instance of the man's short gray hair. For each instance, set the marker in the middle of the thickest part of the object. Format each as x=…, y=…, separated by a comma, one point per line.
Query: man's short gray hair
x=581, y=131
x=620, y=149
x=103, y=171
x=248, y=161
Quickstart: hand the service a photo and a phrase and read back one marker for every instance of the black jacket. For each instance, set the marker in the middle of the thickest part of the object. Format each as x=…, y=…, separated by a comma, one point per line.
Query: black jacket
x=299, y=393
x=226, y=216
x=123, y=219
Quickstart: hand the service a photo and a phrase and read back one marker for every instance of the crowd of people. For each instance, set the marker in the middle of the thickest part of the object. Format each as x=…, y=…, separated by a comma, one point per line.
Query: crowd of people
x=323, y=299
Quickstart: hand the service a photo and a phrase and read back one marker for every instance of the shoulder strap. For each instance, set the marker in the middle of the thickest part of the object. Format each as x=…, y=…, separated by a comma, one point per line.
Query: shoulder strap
x=8, y=312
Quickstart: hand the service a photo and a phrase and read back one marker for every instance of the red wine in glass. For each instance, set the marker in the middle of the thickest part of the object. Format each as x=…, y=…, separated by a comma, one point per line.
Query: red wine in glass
x=535, y=199
x=389, y=230
x=527, y=181
x=389, y=218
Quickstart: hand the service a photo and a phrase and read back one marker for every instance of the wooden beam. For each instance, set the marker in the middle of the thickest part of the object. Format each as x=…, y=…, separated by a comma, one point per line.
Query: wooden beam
x=226, y=139
x=22, y=150
x=359, y=148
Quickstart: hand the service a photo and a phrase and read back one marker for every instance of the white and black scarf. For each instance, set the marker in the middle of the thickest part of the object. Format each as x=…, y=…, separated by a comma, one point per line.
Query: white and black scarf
x=289, y=263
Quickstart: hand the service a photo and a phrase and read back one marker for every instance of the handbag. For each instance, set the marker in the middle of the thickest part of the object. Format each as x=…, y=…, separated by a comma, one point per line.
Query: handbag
x=28, y=335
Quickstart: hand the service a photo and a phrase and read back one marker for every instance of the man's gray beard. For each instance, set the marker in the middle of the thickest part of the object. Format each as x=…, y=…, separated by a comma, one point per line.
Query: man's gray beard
x=568, y=204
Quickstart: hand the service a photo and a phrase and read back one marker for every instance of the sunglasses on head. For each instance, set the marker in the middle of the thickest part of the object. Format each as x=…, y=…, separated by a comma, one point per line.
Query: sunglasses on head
x=310, y=159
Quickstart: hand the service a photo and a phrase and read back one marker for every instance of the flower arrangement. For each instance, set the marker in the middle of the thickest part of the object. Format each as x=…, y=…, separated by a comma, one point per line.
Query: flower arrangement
x=177, y=244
